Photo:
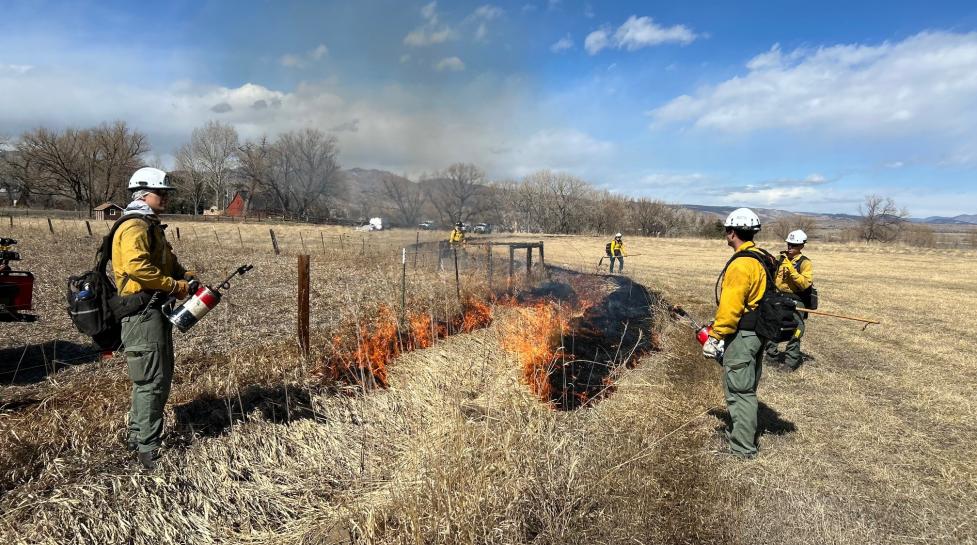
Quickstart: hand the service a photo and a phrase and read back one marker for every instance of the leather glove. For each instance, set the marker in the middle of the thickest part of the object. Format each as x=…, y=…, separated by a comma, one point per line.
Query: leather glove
x=181, y=289
x=189, y=275
x=713, y=349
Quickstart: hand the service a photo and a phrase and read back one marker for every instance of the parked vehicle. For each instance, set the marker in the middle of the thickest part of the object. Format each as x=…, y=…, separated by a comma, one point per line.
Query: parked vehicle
x=483, y=228
x=426, y=225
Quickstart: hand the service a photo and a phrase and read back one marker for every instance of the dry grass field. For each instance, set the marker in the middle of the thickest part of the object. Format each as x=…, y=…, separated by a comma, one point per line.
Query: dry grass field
x=871, y=441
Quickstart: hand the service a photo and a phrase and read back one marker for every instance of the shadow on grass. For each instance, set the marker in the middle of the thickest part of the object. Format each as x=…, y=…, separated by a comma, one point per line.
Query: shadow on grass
x=211, y=416
x=769, y=421
x=33, y=363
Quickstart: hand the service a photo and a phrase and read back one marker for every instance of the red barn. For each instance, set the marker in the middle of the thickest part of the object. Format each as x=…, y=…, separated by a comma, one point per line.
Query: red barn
x=238, y=206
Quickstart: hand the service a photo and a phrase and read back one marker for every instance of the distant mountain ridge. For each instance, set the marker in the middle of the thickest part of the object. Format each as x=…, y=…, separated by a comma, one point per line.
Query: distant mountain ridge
x=775, y=213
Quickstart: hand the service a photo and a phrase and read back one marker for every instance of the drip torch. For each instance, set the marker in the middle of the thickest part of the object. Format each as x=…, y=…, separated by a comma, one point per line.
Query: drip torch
x=701, y=331
x=203, y=300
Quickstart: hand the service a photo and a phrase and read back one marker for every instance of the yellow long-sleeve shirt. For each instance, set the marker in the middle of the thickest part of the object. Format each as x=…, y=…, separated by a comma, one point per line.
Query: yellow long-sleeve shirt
x=145, y=270
x=793, y=277
x=743, y=286
x=457, y=236
x=617, y=248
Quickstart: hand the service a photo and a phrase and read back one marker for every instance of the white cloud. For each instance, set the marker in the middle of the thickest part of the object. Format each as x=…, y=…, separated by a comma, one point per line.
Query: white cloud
x=562, y=44
x=588, y=11
x=453, y=64
x=488, y=12
x=596, y=40
x=15, y=69
x=430, y=12
x=429, y=33
x=671, y=179
x=319, y=52
x=636, y=33
x=927, y=82
x=778, y=192
x=294, y=60
x=291, y=61
x=423, y=36
x=556, y=149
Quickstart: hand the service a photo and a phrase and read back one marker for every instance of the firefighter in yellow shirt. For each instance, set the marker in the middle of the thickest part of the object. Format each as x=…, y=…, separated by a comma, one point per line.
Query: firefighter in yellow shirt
x=457, y=234
x=732, y=339
x=615, y=250
x=143, y=262
x=794, y=277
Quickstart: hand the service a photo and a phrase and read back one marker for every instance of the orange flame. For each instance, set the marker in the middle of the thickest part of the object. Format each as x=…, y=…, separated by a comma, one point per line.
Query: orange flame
x=379, y=341
x=534, y=337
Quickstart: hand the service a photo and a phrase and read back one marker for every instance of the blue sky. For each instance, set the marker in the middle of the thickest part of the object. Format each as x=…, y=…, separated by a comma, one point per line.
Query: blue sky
x=788, y=104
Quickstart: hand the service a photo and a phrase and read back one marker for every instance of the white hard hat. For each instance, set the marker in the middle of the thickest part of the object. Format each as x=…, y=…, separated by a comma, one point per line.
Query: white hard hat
x=797, y=237
x=743, y=219
x=150, y=178
x=618, y=235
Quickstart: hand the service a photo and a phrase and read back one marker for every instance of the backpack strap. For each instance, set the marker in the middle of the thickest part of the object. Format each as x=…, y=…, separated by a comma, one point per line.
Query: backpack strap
x=767, y=261
x=104, y=254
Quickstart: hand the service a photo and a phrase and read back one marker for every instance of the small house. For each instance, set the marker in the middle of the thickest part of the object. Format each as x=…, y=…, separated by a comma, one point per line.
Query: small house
x=108, y=211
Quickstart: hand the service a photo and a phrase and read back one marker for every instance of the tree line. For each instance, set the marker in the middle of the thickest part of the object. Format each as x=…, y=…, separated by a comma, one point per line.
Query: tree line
x=298, y=173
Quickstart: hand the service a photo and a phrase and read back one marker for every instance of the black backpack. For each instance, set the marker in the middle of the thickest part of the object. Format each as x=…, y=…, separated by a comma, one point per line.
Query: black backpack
x=94, y=303
x=774, y=317
x=608, y=249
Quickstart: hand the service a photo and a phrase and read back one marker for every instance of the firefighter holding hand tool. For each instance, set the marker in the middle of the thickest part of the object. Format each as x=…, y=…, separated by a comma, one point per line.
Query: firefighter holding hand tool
x=795, y=276
x=732, y=339
x=143, y=262
x=615, y=250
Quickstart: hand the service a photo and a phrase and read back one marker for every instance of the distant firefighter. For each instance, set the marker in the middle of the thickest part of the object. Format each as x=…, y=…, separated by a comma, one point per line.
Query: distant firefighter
x=795, y=277
x=615, y=251
x=457, y=234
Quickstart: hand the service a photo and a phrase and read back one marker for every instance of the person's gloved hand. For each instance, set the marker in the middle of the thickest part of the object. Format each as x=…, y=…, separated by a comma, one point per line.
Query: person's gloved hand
x=190, y=275
x=713, y=349
x=181, y=289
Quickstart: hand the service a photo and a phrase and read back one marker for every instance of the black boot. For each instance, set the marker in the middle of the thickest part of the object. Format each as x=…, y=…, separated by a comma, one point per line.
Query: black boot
x=148, y=459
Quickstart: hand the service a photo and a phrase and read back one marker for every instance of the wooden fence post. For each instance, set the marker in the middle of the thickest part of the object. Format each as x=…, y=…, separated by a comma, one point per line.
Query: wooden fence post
x=512, y=264
x=50, y=226
x=219, y=245
x=239, y=237
x=457, y=280
x=274, y=242
x=542, y=257
x=403, y=290
x=178, y=233
x=488, y=260
x=322, y=241
x=303, y=305
x=303, y=241
x=529, y=260
x=89, y=227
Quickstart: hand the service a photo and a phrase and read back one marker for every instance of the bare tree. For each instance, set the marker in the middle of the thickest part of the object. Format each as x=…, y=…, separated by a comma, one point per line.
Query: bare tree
x=191, y=180
x=880, y=219
x=214, y=146
x=316, y=174
x=407, y=198
x=89, y=166
x=456, y=192
x=564, y=198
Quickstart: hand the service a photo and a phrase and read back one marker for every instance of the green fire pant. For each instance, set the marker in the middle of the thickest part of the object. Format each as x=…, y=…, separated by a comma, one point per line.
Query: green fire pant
x=792, y=352
x=619, y=260
x=742, y=367
x=148, y=341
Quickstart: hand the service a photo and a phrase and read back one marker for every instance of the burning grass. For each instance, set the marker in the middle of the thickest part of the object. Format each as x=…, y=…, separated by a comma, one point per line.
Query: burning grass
x=856, y=447
x=362, y=352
